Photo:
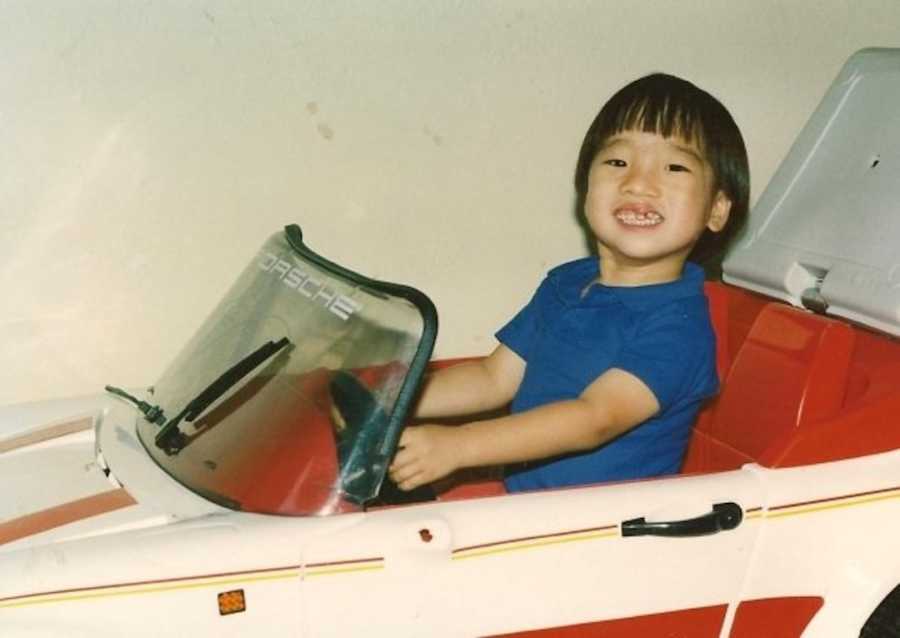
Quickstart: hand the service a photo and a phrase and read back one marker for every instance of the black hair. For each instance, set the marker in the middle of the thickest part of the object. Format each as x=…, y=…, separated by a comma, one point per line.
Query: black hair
x=670, y=106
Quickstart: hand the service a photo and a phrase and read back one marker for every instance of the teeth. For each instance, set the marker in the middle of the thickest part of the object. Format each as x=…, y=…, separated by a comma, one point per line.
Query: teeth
x=632, y=218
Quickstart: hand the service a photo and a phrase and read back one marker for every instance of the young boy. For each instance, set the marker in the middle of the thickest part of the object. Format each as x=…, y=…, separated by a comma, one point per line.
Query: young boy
x=608, y=364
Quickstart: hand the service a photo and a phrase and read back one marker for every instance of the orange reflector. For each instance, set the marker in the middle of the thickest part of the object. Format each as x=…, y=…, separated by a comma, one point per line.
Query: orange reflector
x=231, y=602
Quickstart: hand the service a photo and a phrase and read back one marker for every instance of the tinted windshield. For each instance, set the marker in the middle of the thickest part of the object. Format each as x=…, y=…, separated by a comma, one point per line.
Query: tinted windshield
x=312, y=428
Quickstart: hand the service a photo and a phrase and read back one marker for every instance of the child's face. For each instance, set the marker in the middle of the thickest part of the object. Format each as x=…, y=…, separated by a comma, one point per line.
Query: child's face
x=649, y=199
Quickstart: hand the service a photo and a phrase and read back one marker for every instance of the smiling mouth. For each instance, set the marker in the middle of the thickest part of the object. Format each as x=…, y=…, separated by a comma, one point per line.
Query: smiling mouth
x=639, y=218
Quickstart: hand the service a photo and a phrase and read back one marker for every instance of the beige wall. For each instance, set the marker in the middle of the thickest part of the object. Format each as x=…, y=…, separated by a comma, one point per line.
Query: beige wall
x=149, y=148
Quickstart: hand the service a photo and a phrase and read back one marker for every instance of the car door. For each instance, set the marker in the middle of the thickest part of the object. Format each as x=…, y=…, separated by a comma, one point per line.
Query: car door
x=652, y=557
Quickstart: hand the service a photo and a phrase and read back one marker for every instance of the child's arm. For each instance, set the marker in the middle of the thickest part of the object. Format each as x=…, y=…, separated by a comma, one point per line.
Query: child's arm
x=614, y=403
x=472, y=387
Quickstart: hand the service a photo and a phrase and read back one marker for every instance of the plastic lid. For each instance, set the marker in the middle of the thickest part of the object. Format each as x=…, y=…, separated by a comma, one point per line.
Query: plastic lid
x=826, y=232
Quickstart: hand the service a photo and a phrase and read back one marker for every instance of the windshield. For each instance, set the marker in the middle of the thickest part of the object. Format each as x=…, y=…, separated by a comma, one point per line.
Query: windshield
x=291, y=396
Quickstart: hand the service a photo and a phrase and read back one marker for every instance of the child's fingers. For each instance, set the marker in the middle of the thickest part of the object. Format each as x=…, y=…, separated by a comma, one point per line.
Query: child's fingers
x=411, y=483
x=408, y=478
x=407, y=450
x=403, y=472
x=406, y=465
x=412, y=465
x=404, y=457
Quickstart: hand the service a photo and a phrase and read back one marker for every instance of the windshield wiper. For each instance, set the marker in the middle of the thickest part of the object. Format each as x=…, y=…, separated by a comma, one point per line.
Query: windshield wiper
x=152, y=413
x=170, y=439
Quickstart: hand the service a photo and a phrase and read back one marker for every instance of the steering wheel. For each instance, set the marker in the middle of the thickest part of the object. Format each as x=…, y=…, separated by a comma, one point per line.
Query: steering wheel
x=360, y=423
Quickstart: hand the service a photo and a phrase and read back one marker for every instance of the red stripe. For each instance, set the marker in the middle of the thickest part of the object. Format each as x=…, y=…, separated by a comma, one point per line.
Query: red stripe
x=138, y=583
x=774, y=617
x=703, y=622
x=64, y=514
x=535, y=538
x=46, y=434
x=834, y=498
x=770, y=617
x=344, y=562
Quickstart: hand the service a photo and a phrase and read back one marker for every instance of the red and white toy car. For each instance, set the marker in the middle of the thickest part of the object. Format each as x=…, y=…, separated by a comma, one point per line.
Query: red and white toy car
x=242, y=494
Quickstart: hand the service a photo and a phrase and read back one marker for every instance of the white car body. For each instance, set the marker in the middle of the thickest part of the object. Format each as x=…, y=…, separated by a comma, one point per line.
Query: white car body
x=485, y=567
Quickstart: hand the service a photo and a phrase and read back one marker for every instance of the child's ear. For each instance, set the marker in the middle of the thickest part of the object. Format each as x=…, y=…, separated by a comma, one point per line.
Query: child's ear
x=719, y=211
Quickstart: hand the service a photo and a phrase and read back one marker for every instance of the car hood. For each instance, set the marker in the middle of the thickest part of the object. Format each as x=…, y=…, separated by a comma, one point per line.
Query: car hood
x=75, y=469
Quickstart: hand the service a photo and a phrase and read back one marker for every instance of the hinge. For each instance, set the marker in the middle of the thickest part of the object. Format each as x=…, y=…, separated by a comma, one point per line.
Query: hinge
x=812, y=298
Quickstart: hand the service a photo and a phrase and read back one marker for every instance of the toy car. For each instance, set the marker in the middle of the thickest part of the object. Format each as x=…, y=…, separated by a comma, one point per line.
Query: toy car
x=245, y=493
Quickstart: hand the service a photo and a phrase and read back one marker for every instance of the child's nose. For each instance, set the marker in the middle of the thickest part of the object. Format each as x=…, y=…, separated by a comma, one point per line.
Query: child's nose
x=640, y=180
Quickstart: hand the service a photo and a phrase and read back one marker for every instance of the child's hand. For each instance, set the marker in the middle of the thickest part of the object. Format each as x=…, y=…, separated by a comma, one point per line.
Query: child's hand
x=426, y=453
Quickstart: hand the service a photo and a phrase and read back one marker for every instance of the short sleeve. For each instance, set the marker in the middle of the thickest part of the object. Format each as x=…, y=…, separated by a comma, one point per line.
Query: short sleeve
x=519, y=334
x=674, y=355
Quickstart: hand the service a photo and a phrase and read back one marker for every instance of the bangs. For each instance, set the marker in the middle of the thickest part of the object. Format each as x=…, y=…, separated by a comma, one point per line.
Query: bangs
x=659, y=114
x=671, y=107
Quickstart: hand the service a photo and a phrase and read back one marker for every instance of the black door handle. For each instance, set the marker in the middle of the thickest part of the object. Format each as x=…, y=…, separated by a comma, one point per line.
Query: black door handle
x=724, y=516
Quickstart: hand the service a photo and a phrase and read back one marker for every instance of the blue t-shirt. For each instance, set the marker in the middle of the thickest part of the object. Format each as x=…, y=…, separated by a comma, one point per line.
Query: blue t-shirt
x=573, y=330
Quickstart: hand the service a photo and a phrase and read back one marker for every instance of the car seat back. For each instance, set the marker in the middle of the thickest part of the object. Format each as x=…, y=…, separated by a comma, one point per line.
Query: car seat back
x=790, y=371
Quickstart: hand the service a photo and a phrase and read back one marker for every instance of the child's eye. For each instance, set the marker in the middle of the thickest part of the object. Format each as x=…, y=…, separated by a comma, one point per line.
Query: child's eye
x=678, y=168
x=615, y=162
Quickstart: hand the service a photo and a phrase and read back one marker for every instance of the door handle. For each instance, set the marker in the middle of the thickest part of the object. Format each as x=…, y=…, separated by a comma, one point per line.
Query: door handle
x=724, y=516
